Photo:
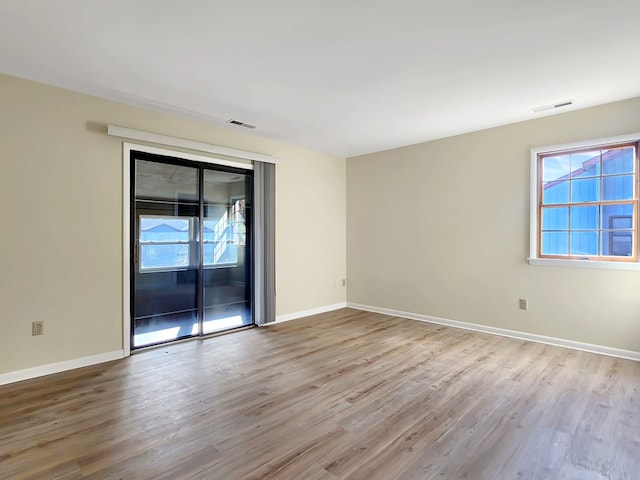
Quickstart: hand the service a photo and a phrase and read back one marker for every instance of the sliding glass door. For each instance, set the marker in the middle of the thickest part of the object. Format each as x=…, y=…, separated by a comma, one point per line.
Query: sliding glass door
x=226, y=268
x=191, y=249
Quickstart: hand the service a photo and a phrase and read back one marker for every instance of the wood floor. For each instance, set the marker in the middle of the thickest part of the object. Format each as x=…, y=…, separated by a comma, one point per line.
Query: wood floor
x=345, y=395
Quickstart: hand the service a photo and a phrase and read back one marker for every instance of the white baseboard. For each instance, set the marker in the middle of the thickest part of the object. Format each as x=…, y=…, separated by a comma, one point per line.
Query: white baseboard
x=306, y=313
x=532, y=337
x=58, y=367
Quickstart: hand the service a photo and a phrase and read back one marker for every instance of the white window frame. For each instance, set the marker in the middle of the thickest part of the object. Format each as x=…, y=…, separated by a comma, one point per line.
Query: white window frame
x=534, y=199
x=170, y=268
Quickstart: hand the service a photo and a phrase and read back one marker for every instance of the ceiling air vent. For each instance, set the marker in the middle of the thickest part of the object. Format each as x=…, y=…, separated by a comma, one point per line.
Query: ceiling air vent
x=241, y=124
x=566, y=103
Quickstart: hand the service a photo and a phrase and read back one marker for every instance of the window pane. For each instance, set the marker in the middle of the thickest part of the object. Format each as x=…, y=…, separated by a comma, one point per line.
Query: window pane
x=584, y=243
x=218, y=186
x=555, y=192
x=617, y=243
x=584, y=218
x=617, y=188
x=587, y=190
x=618, y=160
x=216, y=225
x=159, y=256
x=585, y=164
x=555, y=218
x=217, y=253
x=555, y=243
x=161, y=181
x=164, y=229
x=554, y=168
x=239, y=221
x=617, y=216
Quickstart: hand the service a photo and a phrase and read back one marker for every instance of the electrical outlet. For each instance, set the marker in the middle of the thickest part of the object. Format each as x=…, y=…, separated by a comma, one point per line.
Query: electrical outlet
x=37, y=328
x=524, y=304
x=344, y=282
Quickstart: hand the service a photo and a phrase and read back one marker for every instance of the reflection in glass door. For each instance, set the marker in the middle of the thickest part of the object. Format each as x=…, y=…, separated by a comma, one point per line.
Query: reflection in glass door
x=190, y=268
x=226, y=269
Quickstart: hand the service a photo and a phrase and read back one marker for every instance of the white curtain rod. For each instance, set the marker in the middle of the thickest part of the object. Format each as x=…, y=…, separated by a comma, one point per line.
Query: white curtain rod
x=166, y=140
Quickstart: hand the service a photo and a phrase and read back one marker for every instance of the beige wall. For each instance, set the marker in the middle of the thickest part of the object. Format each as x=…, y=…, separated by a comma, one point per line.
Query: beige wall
x=61, y=234
x=442, y=229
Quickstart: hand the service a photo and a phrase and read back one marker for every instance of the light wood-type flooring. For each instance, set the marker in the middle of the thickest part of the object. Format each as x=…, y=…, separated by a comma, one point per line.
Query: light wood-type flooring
x=343, y=395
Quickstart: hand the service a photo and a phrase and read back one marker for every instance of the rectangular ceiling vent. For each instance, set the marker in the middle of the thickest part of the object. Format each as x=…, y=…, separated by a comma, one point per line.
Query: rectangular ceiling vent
x=241, y=124
x=566, y=103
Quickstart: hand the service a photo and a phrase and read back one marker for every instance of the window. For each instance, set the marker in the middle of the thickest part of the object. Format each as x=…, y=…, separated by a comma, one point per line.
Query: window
x=224, y=231
x=585, y=201
x=238, y=206
x=166, y=242
x=219, y=247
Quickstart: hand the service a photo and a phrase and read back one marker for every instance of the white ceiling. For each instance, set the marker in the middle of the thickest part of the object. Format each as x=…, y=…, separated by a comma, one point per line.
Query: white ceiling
x=344, y=77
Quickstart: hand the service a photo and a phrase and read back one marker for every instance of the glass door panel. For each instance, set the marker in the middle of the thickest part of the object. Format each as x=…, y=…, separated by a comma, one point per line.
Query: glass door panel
x=166, y=252
x=226, y=252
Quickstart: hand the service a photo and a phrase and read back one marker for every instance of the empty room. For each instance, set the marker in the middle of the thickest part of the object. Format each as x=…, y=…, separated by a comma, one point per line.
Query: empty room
x=319, y=240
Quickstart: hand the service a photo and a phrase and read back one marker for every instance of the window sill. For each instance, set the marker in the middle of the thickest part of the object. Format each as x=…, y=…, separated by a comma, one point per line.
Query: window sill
x=220, y=265
x=558, y=262
x=184, y=269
